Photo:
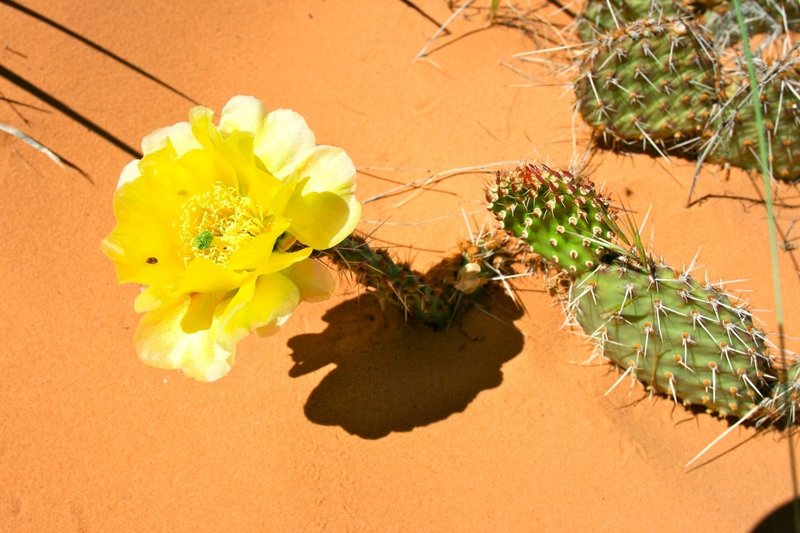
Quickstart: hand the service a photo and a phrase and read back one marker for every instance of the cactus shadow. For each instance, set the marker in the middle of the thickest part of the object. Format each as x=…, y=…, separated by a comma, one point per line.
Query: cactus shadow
x=779, y=520
x=392, y=375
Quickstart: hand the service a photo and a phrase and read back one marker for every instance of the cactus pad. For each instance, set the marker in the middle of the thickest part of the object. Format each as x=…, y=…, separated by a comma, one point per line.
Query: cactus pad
x=780, y=104
x=558, y=214
x=649, y=85
x=679, y=337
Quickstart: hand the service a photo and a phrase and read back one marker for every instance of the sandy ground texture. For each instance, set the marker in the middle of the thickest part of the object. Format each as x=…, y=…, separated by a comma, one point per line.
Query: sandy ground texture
x=349, y=418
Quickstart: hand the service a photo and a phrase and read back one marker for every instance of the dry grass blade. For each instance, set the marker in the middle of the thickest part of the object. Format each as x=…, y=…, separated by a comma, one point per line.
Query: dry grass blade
x=424, y=50
x=11, y=130
x=57, y=159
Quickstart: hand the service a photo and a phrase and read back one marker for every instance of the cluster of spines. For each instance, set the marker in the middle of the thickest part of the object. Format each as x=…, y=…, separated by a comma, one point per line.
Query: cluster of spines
x=601, y=17
x=783, y=404
x=436, y=297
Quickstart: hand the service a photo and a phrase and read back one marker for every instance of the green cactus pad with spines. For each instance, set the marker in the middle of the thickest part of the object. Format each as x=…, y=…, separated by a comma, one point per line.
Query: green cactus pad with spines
x=737, y=143
x=682, y=338
x=679, y=337
x=558, y=214
x=649, y=87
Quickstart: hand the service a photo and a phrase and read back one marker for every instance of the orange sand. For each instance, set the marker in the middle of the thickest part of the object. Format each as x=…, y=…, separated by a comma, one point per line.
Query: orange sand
x=348, y=418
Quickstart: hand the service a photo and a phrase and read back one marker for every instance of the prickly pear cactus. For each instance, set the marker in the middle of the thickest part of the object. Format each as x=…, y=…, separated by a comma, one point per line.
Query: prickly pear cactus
x=677, y=336
x=737, y=141
x=559, y=215
x=436, y=297
x=649, y=86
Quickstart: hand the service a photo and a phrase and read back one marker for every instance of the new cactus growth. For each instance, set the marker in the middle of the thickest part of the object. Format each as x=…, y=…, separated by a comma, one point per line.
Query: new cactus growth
x=678, y=336
x=557, y=214
x=649, y=86
x=436, y=297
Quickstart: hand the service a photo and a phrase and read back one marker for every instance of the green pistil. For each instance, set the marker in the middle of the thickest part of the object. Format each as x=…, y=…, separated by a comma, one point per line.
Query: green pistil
x=203, y=241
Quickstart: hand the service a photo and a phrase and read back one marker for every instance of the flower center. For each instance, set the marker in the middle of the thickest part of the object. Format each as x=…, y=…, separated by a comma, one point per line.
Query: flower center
x=214, y=224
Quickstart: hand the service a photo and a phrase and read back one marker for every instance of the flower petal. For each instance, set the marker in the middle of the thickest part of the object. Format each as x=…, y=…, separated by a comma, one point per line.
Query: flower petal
x=242, y=113
x=313, y=279
x=328, y=169
x=282, y=260
x=200, y=312
x=151, y=298
x=257, y=251
x=129, y=173
x=161, y=342
x=143, y=245
x=354, y=215
x=179, y=135
x=273, y=299
x=319, y=218
x=283, y=142
x=204, y=275
x=323, y=207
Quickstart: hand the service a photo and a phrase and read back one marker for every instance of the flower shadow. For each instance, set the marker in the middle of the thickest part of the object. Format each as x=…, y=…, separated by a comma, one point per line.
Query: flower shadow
x=392, y=375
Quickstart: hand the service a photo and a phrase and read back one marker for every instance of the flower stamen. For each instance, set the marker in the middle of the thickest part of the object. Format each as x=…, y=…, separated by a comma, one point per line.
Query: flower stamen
x=216, y=223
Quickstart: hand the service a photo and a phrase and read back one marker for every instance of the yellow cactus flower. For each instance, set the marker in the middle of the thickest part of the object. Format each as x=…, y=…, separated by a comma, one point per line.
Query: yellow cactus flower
x=217, y=223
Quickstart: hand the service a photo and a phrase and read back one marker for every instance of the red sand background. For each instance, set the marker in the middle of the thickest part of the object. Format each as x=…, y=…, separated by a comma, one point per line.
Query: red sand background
x=348, y=418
